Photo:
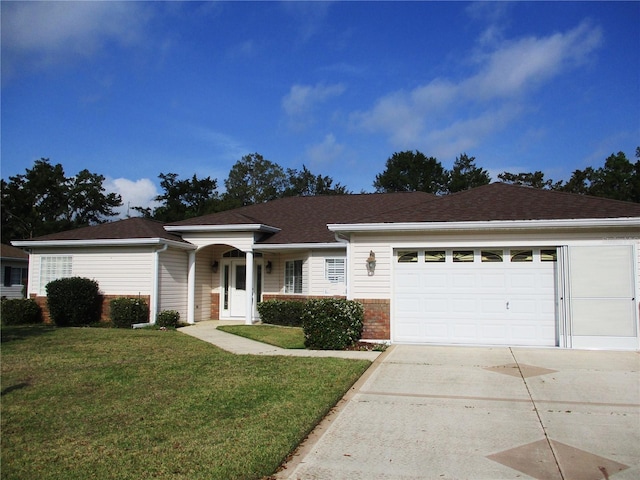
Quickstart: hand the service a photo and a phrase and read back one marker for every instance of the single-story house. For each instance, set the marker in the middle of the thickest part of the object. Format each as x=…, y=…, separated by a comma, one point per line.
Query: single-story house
x=14, y=264
x=495, y=265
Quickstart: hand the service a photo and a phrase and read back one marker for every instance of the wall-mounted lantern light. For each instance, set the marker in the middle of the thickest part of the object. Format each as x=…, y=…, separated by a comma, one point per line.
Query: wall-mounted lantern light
x=214, y=266
x=371, y=263
x=269, y=267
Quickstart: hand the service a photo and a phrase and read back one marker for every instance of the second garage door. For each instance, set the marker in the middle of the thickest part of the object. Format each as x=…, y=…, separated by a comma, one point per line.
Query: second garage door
x=488, y=296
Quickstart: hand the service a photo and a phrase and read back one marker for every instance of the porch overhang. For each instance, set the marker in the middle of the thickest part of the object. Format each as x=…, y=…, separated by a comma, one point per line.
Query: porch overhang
x=248, y=227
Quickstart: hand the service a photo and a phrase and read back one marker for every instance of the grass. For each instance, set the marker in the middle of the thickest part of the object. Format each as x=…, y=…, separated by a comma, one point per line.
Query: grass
x=83, y=403
x=283, y=337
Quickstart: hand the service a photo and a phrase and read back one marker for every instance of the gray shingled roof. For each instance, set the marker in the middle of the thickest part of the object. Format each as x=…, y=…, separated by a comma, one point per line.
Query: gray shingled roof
x=7, y=251
x=499, y=201
x=129, y=228
x=305, y=219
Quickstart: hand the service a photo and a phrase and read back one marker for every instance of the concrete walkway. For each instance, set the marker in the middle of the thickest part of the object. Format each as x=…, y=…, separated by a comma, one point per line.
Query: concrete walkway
x=208, y=332
x=430, y=412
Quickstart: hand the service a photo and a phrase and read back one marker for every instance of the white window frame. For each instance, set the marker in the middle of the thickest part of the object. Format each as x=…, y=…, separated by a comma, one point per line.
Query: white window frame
x=54, y=267
x=335, y=270
x=293, y=272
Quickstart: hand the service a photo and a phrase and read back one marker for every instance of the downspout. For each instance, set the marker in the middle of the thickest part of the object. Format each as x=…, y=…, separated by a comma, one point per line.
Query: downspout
x=348, y=244
x=156, y=284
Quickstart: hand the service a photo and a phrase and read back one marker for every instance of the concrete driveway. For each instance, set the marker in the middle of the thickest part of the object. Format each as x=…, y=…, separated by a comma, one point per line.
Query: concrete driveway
x=482, y=413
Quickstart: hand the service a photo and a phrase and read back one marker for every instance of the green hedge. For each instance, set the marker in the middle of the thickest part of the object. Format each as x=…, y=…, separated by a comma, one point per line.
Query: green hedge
x=124, y=312
x=74, y=301
x=332, y=323
x=287, y=313
x=20, y=311
x=168, y=318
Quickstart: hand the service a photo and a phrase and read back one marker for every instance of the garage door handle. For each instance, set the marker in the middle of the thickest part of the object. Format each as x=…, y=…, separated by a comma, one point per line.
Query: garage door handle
x=507, y=305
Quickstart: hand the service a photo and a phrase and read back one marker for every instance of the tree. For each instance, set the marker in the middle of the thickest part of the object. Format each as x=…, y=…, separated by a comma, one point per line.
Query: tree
x=410, y=172
x=252, y=180
x=535, y=179
x=184, y=198
x=43, y=200
x=304, y=183
x=465, y=175
x=618, y=178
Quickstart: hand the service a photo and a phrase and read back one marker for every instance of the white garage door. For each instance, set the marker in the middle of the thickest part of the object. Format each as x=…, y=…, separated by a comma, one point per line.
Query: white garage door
x=489, y=296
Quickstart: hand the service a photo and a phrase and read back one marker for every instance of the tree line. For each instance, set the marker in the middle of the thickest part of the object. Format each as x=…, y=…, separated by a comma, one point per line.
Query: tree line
x=44, y=200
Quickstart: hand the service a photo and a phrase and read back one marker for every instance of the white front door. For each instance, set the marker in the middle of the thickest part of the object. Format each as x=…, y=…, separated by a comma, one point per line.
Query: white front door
x=492, y=296
x=238, y=288
x=234, y=288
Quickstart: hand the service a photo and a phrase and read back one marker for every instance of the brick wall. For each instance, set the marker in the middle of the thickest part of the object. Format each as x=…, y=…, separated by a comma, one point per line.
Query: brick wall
x=377, y=314
x=377, y=318
x=105, y=310
x=215, y=306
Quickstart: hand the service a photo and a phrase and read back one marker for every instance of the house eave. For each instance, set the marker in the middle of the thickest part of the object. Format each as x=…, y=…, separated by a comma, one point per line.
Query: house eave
x=126, y=242
x=583, y=223
x=252, y=227
x=298, y=246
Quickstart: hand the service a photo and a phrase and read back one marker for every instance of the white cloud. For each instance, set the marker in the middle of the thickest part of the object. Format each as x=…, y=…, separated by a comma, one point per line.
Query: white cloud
x=134, y=193
x=325, y=152
x=482, y=103
x=40, y=34
x=302, y=98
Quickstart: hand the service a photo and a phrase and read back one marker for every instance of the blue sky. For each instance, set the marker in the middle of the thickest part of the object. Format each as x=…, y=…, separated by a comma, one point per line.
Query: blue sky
x=134, y=89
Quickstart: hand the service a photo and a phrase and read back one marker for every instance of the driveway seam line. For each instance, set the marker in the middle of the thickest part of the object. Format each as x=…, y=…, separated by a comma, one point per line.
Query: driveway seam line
x=535, y=409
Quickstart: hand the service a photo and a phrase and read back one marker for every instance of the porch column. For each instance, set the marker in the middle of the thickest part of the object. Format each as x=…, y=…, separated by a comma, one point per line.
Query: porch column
x=191, y=288
x=249, y=306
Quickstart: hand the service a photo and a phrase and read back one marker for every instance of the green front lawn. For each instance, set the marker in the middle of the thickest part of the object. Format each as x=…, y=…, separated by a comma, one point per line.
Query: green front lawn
x=283, y=337
x=80, y=403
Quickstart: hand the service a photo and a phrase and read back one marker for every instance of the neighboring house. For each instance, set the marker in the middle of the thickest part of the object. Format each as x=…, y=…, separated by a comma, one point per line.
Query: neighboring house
x=495, y=265
x=14, y=264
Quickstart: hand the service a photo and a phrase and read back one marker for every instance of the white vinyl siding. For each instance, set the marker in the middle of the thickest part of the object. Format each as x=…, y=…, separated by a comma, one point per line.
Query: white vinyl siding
x=324, y=262
x=118, y=270
x=172, y=284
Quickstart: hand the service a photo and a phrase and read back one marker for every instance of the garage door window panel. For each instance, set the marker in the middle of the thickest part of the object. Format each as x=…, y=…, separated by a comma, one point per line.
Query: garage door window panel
x=463, y=256
x=521, y=256
x=405, y=256
x=492, y=256
x=435, y=256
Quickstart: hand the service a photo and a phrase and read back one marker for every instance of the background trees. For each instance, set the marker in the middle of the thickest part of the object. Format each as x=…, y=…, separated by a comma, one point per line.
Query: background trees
x=410, y=171
x=43, y=200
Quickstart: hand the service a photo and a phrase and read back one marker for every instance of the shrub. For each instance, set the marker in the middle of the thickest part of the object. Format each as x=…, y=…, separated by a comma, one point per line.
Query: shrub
x=20, y=311
x=74, y=301
x=332, y=323
x=124, y=312
x=168, y=318
x=287, y=313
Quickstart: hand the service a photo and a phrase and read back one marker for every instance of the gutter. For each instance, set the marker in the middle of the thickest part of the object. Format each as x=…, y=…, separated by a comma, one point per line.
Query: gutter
x=103, y=243
x=486, y=225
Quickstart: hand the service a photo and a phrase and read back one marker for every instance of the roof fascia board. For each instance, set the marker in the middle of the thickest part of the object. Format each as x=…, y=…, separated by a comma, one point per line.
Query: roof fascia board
x=252, y=227
x=298, y=246
x=127, y=242
x=486, y=225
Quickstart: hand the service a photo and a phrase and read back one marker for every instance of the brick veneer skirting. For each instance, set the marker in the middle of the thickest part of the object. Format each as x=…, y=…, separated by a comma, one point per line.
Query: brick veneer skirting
x=377, y=314
x=105, y=312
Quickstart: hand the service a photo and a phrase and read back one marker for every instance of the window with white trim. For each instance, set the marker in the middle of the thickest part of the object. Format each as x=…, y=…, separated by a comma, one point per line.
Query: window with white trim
x=54, y=267
x=334, y=270
x=293, y=276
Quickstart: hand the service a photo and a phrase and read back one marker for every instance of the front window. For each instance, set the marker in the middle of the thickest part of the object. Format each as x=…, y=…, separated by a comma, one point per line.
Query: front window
x=54, y=267
x=293, y=276
x=334, y=270
x=15, y=276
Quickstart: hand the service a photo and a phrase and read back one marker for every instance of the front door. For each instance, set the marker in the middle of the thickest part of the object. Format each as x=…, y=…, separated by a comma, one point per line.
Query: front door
x=234, y=287
x=238, y=288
